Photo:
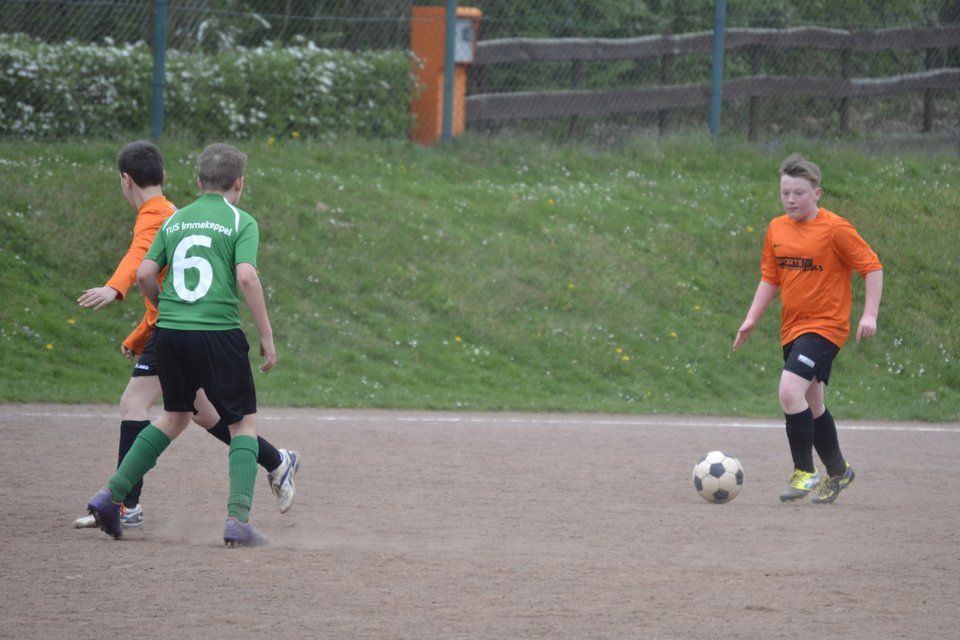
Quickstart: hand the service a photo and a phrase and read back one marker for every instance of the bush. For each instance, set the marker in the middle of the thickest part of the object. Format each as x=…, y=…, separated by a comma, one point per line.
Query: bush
x=53, y=91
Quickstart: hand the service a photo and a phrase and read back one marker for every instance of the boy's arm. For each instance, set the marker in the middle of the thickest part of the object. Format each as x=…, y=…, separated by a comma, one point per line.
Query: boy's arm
x=249, y=283
x=766, y=292
x=873, y=291
x=147, y=280
x=125, y=274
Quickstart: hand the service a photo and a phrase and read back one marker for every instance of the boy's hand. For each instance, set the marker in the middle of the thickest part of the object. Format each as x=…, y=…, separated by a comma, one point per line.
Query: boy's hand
x=867, y=327
x=269, y=354
x=127, y=353
x=97, y=298
x=743, y=333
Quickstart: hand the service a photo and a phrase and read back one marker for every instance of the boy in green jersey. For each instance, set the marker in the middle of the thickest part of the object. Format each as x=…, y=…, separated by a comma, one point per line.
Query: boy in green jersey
x=210, y=250
x=142, y=176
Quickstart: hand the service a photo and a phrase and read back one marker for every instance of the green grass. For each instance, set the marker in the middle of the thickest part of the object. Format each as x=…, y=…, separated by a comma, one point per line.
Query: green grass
x=491, y=275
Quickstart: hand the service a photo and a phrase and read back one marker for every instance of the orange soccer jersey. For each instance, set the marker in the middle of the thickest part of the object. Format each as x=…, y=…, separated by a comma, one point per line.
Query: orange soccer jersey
x=813, y=262
x=150, y=216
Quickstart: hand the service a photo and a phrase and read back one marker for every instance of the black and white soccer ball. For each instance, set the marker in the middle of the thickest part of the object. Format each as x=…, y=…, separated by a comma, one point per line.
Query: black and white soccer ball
x=718, y=477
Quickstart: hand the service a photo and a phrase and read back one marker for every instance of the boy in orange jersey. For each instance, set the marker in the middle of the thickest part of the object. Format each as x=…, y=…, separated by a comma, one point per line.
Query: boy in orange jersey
x=141, y=181
x=809, y=256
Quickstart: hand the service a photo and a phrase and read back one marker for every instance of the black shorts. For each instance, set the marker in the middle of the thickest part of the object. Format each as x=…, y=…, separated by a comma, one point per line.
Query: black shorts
x=810, y=356
x=147, y=361
x=215, y=361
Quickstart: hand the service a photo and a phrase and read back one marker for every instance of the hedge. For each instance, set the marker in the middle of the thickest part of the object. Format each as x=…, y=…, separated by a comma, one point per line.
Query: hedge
x=53, y=91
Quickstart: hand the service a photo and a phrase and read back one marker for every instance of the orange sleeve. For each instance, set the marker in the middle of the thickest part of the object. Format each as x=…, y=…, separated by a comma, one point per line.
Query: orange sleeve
x=769, y=271
x=856, y=253
x=137, y=340
x=149, y=218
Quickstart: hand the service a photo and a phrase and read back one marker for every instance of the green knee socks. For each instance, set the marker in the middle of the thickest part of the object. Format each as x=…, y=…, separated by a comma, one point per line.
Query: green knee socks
x=243, y=476
x=152, y=442
x=142, y=457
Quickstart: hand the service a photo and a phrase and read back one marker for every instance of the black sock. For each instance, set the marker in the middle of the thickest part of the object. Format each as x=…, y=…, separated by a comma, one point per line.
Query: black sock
x=129, y=430
x=800, y=437
x=827, y=445
x=268, y=458
x=220, y=431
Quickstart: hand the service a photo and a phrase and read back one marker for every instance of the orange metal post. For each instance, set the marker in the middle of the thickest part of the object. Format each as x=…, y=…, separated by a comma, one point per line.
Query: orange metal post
x=427, y=34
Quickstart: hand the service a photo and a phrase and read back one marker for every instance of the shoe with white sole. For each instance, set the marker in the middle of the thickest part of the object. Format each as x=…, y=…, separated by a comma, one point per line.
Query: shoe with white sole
x=281, y=479
x=129, y=519
x=85, y=522
x=800, y=484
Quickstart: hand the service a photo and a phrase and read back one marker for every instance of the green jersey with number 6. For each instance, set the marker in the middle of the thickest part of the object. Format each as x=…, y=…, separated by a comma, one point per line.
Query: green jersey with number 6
x=201, y=246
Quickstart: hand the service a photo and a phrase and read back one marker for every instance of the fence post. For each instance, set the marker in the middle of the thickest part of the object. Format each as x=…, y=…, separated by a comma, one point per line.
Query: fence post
x=576, y=76
x=666, y=77
x=716, y=85
x=756, y=60
x=846, y=72
x=159, y=67
x=932, y=62
x=448, y=71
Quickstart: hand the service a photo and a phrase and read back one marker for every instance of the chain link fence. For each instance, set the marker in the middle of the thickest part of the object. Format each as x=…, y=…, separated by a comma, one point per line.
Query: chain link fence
x=600, y=69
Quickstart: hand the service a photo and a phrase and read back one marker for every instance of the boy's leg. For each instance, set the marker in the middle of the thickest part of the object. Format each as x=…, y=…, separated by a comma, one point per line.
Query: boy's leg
x=129, y=431
x=233, y=392
x=106, y=506
x=800, y=436
x=825, y=432
x=805, y=477
x=143, y=455
x=269, y=457
x=243, y=474
x=840, y=474
x=799, y=419
x=139, y=396
x=827, y=444
x=281, y=464
x=139, y=460
x=799, y=423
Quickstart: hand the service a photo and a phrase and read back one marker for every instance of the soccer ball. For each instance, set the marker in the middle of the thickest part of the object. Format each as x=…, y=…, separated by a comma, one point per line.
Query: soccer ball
x=718, y=477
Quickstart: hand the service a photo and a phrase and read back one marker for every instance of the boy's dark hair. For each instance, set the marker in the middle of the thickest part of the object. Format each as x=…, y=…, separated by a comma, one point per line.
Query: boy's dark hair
x=220, y=166
x=143, y=162
x=796, y=166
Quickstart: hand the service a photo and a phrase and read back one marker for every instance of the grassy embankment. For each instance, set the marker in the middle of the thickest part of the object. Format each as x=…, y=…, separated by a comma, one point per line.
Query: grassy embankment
x=496, y=275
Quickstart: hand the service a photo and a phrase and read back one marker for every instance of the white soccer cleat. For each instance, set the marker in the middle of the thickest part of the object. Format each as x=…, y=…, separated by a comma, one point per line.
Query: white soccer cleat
x=85, y=522
x=281, y=479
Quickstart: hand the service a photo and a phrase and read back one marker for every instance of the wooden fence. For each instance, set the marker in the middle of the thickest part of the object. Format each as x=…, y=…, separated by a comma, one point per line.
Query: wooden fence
x=574, y=102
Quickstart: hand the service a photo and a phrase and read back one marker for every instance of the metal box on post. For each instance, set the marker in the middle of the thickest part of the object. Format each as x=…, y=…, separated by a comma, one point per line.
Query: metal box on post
x=427, y=36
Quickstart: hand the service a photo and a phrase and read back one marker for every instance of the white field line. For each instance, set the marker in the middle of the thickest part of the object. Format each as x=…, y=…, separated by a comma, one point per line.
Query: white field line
x=703, y=423
x=400, y=417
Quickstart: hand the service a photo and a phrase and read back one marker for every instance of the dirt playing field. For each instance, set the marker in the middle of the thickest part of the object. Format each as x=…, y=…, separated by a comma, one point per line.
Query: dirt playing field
x=488, y=526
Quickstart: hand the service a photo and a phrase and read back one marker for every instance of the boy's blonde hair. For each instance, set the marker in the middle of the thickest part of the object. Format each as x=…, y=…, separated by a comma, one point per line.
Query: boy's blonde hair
x=796, y=166
x=220, y=166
